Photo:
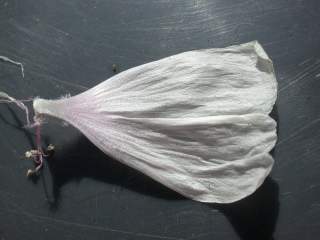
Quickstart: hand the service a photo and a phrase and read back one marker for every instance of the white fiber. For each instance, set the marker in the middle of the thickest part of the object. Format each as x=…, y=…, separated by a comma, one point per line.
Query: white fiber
x=6, y=59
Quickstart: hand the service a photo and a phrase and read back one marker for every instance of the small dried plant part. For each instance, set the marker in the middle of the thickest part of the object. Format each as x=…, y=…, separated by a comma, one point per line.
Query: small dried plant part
x=50, y=149
x=114, y=68
x=37, y=155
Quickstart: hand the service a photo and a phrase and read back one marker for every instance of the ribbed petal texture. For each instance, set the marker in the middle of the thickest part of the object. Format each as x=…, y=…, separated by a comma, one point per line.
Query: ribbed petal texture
x=198, y=122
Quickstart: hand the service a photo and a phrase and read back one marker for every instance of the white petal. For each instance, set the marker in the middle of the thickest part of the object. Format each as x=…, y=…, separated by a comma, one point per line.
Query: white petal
x=209, y=159
x=233, y=80
x=197, y=121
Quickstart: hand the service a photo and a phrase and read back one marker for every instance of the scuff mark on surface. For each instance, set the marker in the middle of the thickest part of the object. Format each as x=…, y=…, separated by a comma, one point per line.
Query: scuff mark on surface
x=309, y=70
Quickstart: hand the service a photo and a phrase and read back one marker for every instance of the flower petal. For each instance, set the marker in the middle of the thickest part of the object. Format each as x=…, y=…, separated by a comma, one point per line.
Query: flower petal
x=197, y=122
x=228, y=81
x=209, y=159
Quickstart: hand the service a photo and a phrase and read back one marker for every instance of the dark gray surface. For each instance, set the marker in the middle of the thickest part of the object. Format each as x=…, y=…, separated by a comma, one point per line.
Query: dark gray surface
x=69, y=46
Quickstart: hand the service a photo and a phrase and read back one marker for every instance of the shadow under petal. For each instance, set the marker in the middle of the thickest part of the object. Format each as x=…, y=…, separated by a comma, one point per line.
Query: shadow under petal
x=19, y=126
x=255, y=216
x=82, y=159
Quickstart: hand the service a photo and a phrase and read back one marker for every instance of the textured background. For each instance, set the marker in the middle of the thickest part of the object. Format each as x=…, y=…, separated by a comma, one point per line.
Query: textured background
x=69, y=46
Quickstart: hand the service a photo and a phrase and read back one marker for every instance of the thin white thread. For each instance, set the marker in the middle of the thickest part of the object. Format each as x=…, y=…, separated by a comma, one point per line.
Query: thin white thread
x=6, y=59
x=20, y=104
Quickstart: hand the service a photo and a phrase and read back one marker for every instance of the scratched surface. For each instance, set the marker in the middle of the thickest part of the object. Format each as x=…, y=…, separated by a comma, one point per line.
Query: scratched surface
x=69, y=46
